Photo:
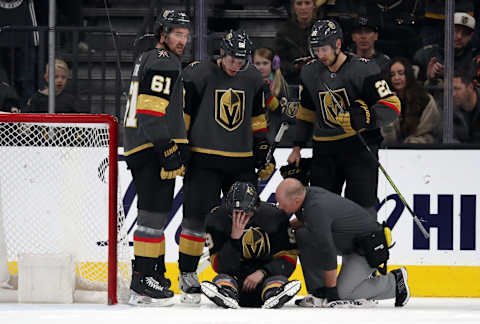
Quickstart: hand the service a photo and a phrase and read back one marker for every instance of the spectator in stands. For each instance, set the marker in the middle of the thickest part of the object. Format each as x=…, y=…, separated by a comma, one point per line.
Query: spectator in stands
x=430, y=58
x=466, y=117
x=398, y=20
x=420, y=118
x=433, y=22
x=18, y=47
x=276, y=90
x=69, y=13
x=364, y=35
x=345, y=12
x=64, y=102
x=292, y=40
x=9, y=100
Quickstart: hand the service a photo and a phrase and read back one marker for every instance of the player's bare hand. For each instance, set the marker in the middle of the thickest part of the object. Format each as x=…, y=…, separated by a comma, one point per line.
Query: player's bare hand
x=252, y=281
x=239, y=221
x=295, y=156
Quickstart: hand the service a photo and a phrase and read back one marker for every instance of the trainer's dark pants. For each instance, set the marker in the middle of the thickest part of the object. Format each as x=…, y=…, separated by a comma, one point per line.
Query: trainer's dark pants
x=356, y=169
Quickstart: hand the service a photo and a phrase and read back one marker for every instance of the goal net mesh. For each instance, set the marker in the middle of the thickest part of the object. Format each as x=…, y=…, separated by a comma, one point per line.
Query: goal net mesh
x=54, y=199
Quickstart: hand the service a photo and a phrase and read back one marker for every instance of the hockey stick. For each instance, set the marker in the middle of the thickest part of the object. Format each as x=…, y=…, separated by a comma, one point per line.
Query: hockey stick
x=360, y=137
x=281, y=130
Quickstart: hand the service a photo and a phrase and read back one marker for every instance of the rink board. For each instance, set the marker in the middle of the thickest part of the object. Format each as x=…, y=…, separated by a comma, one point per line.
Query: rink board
x=441, y=187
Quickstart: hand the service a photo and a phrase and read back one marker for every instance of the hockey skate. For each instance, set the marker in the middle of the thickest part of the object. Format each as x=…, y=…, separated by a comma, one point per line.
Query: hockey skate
x=190, y=288
x=310, y=301
x=402, y=291
x=150, y=291
x=276, y=297
x=225, y=296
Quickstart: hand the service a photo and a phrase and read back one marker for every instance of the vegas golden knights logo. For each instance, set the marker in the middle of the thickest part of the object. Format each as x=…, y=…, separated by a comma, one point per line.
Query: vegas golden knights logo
x=255, y=243
x=229, y=108
x=329, y=108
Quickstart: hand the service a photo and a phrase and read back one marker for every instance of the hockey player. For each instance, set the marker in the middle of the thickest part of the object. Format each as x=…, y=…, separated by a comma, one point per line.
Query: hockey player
x=154, y=126
x=327, y=225
x=226, y=125
x=362, y=102
x=253, y=251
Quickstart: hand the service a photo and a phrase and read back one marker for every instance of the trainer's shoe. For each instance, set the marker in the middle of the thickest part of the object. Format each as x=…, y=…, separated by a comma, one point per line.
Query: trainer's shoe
x=190, y=287
x=402, y=291
x=223, y=296
x=311, y=301
x=276, y=297
x=150, y=291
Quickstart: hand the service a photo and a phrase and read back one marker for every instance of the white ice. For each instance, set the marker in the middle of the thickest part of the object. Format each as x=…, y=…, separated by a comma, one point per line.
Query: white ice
x=418, y=310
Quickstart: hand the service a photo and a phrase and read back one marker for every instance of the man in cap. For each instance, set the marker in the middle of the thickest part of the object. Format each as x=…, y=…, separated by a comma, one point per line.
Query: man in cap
x=430, y=58
x=364, y=35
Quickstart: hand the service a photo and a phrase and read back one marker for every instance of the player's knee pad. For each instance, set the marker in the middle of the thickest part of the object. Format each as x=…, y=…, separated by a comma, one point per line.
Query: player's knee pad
x=226, y=280
x=149, y=219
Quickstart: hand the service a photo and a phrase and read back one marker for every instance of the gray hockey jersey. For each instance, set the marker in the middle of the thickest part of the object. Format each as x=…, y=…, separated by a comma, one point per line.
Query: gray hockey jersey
x=223, y=114
x=154, y=112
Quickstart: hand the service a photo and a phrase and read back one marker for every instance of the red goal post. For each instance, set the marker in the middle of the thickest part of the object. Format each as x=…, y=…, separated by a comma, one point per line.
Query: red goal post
x=83, y=141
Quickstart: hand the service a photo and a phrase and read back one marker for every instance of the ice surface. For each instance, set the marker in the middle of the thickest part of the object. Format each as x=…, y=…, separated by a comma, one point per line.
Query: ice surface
x=418, y=310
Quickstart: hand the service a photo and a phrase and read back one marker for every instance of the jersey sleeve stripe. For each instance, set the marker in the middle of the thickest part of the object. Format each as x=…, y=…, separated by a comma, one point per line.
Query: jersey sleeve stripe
x=272, y=103
x=152, y=103
x=259, y=123
x=306, y=114
x=392, y=102
x=149, y=112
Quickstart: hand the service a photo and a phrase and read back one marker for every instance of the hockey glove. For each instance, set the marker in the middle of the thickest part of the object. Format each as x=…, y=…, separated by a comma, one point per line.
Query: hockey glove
x=265, y=169
x=359, y=116
x=171, y=162
x=301, y=173
x=289, y=111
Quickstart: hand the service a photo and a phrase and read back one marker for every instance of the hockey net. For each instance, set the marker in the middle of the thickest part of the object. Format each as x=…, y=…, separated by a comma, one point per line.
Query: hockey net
x=58, y=195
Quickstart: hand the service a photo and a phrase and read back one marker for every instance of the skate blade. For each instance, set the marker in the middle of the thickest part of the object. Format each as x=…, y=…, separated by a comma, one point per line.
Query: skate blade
x=355, y=303
x=146, y=301
x=190, y=299
x=211, y=291
x=289, y=291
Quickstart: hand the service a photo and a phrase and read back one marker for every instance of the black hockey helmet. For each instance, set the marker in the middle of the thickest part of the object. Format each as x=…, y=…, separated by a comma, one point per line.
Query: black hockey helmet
x=237, y=44
x=324, y=32
x=170, y=19
x=241, y=196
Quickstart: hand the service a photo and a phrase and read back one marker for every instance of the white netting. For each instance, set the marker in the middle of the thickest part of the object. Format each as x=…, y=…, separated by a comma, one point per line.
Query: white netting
x=54, y=198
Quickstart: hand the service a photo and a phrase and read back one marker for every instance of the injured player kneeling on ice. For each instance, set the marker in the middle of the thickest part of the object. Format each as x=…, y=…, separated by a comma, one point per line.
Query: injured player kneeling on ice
x=253, y=251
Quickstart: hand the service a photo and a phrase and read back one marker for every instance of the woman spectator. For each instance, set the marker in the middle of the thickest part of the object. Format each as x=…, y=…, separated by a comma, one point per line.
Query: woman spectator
x=277, y=92
x=420, y=118
x=292, y=39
